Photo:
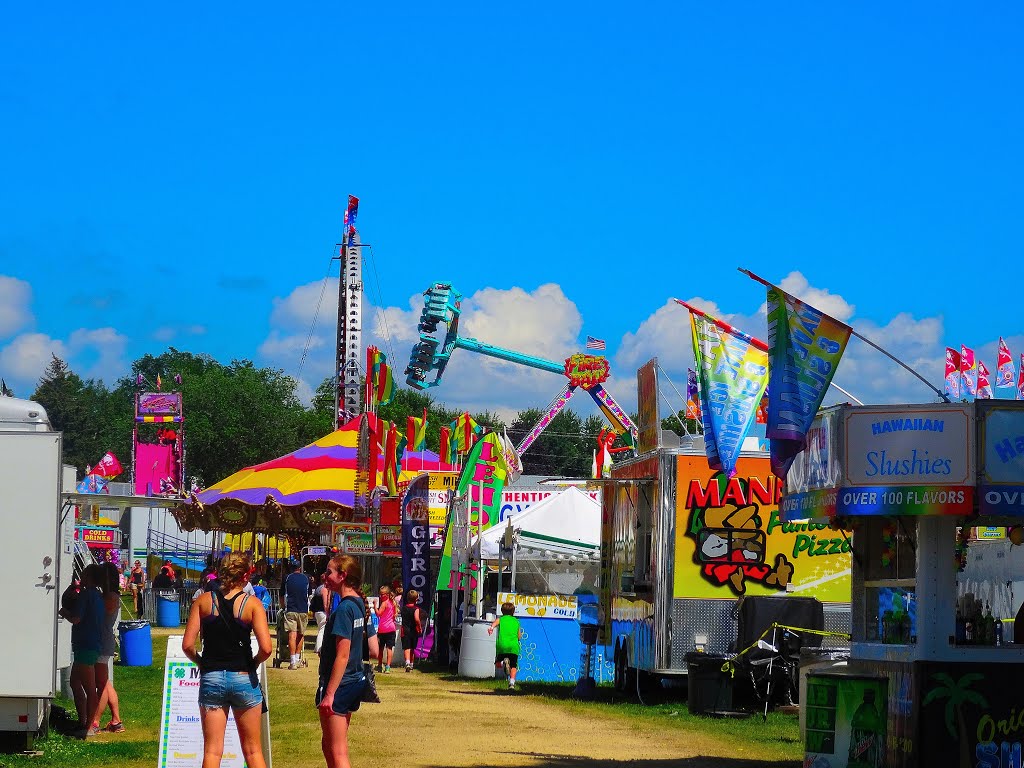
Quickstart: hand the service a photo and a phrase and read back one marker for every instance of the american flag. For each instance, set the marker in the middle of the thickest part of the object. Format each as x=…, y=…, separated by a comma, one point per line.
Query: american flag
x=597, y=344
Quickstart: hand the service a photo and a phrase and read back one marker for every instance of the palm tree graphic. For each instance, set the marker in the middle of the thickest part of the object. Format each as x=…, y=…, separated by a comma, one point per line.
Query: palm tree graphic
x=957, y=693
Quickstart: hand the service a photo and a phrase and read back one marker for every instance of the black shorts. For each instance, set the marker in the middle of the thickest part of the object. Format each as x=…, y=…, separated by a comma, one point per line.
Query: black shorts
x=409, y=639
x=513, y=659
x=346, y=698
x=386, y=639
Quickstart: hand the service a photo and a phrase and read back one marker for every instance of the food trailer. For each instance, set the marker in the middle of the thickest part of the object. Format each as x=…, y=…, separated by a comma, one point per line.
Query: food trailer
x=929, y=681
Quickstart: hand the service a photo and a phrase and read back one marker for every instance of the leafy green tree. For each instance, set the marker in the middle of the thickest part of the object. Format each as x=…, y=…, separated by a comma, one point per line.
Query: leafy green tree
x=675, y=423
x=60, y=392
x=235, y=415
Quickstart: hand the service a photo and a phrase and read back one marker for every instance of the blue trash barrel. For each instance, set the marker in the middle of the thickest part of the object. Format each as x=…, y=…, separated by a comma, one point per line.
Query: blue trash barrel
x=136, y=644
x=168, y=613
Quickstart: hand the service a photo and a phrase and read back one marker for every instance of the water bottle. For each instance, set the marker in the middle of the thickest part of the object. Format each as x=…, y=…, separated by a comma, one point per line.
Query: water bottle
x=998, y=632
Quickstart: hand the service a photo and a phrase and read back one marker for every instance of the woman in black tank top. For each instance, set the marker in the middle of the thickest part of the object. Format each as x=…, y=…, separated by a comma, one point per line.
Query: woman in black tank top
x=226, y=619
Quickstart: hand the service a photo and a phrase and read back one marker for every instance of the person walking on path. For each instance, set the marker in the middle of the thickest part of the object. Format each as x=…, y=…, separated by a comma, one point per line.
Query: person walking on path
x=137, y=580
x=225, y=619
x=321, y=605
x=341, y=675
x=412, y=627
x=104, y=667
x=506, y=646
x=86, y=617
x=296, y=612
x=386, y=628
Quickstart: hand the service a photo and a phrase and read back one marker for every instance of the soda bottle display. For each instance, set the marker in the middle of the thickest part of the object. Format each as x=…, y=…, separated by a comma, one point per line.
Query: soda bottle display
x=867, y=734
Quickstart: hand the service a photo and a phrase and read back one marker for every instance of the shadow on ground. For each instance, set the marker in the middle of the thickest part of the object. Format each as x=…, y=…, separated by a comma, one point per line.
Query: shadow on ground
x=569, y=761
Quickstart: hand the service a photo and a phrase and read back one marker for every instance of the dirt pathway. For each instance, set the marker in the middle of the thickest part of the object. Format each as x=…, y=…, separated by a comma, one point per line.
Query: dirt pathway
x=429, y=719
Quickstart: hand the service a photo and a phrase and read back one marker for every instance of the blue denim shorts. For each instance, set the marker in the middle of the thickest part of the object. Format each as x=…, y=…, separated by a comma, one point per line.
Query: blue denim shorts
x=346, y=698
x=238, y=690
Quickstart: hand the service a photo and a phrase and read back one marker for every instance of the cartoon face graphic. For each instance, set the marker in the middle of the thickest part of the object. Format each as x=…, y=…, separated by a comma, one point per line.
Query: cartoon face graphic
x=731, y=541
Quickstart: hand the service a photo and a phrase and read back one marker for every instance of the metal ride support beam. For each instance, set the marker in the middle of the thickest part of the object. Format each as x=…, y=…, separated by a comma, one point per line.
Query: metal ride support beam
x=348, y=399
x=505, y=354
x=554, y=408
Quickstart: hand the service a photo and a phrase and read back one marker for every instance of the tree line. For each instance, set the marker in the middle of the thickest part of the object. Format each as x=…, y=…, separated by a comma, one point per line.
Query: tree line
x=238, y=414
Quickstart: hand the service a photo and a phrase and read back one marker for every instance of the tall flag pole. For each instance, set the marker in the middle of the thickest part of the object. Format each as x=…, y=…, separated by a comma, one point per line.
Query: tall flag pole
x=952, y=373
x=867, y=341
x=733, y=371
x=1005, y=374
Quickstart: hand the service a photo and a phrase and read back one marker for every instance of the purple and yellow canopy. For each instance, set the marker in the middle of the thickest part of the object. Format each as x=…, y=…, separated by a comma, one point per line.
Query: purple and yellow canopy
x=297, y=492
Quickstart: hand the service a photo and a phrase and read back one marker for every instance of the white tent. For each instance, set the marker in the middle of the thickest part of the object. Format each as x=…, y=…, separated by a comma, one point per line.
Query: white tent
x=566, y=525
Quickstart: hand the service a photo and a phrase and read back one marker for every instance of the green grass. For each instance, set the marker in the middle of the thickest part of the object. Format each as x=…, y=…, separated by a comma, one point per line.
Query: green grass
x=774, y=741
x=139, y=691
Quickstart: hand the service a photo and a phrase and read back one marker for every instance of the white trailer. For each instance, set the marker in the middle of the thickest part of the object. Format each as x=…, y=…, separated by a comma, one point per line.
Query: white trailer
x=30, y=506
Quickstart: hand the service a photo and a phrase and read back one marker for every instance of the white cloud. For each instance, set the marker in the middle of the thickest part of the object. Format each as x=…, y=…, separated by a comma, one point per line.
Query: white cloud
x=821, y=299
x=15, y=298
x=26, y=356
x=542, y=323
x=297, y=310
x=96, y=353
x=104, y=347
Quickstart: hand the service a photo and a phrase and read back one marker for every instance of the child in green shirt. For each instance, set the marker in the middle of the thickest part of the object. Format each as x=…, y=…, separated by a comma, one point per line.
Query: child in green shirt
x=506, y=647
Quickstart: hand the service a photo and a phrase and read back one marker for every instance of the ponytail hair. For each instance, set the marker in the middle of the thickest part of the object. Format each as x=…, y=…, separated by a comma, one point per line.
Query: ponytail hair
x=352, y=571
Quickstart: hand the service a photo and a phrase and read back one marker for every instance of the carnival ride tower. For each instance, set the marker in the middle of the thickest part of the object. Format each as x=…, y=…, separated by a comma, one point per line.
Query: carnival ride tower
x=158, y=452
x=349, y=395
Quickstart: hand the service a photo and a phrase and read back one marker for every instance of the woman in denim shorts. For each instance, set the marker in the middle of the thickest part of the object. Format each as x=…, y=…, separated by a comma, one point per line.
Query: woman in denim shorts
x=225, y=619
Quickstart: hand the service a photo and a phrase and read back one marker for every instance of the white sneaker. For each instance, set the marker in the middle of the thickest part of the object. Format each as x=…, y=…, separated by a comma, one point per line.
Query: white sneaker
x=511, y=685
x=293, y=665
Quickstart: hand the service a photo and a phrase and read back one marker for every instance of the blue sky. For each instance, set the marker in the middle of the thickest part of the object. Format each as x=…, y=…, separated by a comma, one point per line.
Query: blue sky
x=177, y=176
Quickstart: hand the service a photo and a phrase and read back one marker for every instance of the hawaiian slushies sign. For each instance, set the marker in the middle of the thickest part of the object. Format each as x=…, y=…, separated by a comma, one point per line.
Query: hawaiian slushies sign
x=1002, y=461
x=908, y=460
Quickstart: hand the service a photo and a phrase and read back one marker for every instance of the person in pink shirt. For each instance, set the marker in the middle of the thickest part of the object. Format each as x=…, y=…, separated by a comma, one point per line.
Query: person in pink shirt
x=386, y=629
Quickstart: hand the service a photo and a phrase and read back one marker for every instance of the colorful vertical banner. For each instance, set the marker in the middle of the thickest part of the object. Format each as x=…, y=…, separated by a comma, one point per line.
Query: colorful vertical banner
x=732, y=368
x=968, y=370
x=762, y=408
x=1005, y=375
x=416, y=432
x=416, y=540
x=445, y=449
x=805, y=349
x=1020, y=379
x=952, y=376
x=984, y=385
x=380, y=383
x=484, y=471
x=391, y=466
x=349, y=226
x=692, y=396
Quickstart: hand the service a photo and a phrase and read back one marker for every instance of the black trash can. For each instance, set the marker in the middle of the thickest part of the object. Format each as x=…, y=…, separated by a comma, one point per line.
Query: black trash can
x=708, y=688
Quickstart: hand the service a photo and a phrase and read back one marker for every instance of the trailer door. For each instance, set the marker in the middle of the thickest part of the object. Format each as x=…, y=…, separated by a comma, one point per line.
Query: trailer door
x=29, y=510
